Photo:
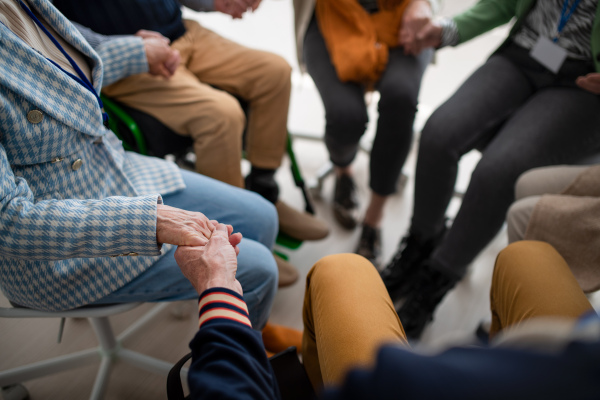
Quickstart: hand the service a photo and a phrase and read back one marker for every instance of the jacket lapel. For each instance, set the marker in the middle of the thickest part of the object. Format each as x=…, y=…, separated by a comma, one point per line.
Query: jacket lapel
x=64, y=27
x=32, y=76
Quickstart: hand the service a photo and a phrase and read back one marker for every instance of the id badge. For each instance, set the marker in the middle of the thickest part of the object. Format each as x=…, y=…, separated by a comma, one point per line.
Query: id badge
x=549, y=54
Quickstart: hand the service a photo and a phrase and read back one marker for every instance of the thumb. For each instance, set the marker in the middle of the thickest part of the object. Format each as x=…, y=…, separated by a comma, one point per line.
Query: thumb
x=221, y=230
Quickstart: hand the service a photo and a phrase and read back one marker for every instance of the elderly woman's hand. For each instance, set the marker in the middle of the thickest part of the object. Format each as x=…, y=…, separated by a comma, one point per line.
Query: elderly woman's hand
x=181, y=227
x=213, y=265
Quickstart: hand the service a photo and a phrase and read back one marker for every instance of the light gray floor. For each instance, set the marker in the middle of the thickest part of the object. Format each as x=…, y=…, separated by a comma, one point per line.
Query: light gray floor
x=271, y=28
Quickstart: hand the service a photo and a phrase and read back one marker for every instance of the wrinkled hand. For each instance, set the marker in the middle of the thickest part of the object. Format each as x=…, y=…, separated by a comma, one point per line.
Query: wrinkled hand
x=212, y=265
x=181, y=227
x=236, y=8
x=590, y=82
x=416, y=16
x=162, y=59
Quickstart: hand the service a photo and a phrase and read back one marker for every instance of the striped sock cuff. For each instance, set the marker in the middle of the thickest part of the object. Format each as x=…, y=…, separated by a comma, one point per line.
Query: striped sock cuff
x=224, y=304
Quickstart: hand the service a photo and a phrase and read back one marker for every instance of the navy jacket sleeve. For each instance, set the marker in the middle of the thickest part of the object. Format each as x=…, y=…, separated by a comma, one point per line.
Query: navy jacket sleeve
x=228, y=356
x=478, y=373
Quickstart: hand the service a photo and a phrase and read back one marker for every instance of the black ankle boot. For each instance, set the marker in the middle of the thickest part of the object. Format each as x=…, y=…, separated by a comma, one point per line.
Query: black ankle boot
x=369, y=244
x=262, y=181
x=412, y=251
x=345, y=202
x=429, y=288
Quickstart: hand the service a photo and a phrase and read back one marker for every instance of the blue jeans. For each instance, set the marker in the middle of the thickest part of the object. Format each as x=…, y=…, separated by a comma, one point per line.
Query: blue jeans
x=249, y=214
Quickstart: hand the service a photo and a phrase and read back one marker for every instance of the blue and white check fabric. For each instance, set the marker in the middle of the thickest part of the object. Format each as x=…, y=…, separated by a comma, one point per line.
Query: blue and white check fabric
x=59, y=224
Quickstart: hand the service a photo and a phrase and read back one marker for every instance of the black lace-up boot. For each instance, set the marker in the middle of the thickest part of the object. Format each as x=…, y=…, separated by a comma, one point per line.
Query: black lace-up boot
x=369, y=244
x=412, y=251
x=429, y=288
x=345, y=202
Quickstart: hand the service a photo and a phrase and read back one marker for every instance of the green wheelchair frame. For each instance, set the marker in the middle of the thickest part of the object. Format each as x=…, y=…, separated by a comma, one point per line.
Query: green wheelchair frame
x=117, y=114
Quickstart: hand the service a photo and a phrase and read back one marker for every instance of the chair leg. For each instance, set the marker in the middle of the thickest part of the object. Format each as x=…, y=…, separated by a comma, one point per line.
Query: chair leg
x=101, y=382
x=145, y=362
x=48, y=367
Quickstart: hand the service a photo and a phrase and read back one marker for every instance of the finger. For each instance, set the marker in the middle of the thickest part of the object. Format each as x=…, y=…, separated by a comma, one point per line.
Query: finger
x=221, y=230
x=195, y=240
x=173, y=62
x=235, y=239
x=163, y=71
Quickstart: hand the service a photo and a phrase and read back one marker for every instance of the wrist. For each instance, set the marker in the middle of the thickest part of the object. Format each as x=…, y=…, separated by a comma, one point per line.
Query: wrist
x=203, y=285
x=449, y=32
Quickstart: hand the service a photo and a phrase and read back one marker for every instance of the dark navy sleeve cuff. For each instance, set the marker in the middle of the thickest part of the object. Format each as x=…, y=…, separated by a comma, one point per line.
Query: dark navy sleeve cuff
x=222, y=304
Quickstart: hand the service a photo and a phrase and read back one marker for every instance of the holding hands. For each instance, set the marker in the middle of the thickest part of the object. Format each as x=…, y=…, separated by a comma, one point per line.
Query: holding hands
x=181, y=227
x=418, y=30
x=212, y=265
x=162, y=59
x=236, y=8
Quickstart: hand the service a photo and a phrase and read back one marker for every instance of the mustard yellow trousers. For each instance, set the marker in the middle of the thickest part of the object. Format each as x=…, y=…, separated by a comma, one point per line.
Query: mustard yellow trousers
x=348, y=314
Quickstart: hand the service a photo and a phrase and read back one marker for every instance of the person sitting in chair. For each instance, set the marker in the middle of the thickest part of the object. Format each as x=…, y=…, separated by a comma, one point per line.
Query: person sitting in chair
x=200, y=99
x=82, y=221
x=546, y=335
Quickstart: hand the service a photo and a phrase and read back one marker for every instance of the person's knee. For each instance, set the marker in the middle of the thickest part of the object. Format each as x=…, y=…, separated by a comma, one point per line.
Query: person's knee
x=259, y=282
x=493, y=177
x=346, y=124
x=520, y=257
x=278, y=73
x=518, y=216
x=437, y=138
x=525, y=182
x=262, y=217
x=330, y=270
x=397, y=97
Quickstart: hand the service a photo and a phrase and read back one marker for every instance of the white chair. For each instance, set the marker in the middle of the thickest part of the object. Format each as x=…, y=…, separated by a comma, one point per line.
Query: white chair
x=107, y=352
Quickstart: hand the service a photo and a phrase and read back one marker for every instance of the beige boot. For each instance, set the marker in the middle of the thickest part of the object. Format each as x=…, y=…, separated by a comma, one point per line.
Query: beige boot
x=288, y=274
x=298, y=224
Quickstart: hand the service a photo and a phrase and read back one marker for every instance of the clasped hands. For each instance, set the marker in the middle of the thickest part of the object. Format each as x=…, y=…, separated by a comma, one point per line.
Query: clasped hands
x=236, y=8
x=418, y=31
x=207, y=252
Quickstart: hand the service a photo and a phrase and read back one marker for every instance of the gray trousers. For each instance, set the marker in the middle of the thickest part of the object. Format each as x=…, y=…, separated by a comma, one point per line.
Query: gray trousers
x=346, y=112
x=520, y=116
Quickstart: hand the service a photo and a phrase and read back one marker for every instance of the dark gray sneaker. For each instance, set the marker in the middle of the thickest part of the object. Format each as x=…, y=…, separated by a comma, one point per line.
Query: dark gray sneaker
x=369, y=244
x=345, y=202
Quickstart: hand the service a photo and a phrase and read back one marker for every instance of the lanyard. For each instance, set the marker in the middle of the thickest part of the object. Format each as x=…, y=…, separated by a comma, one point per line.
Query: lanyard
x=82, y=79
x=565, y=15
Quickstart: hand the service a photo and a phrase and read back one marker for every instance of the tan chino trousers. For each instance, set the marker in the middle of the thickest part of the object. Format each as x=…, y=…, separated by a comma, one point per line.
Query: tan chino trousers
x=198, y=101
x=348, y=314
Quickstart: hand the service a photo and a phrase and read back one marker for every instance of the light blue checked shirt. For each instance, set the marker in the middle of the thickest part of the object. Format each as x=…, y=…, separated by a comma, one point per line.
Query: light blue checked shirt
x=70, y=196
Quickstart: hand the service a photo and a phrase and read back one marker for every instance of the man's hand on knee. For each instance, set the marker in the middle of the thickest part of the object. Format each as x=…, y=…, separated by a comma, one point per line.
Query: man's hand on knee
x=162, y=59
x=212, y=265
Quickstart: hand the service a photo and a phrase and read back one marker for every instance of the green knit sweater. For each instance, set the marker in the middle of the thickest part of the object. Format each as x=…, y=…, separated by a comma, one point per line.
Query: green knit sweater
x=489, y=14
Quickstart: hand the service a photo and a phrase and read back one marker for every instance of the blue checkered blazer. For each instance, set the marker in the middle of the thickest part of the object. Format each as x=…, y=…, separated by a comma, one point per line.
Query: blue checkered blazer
x=60, y=225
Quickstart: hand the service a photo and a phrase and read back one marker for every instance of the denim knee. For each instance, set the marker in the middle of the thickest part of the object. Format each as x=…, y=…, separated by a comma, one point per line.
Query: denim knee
x=257, y=273
x=261, y=219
